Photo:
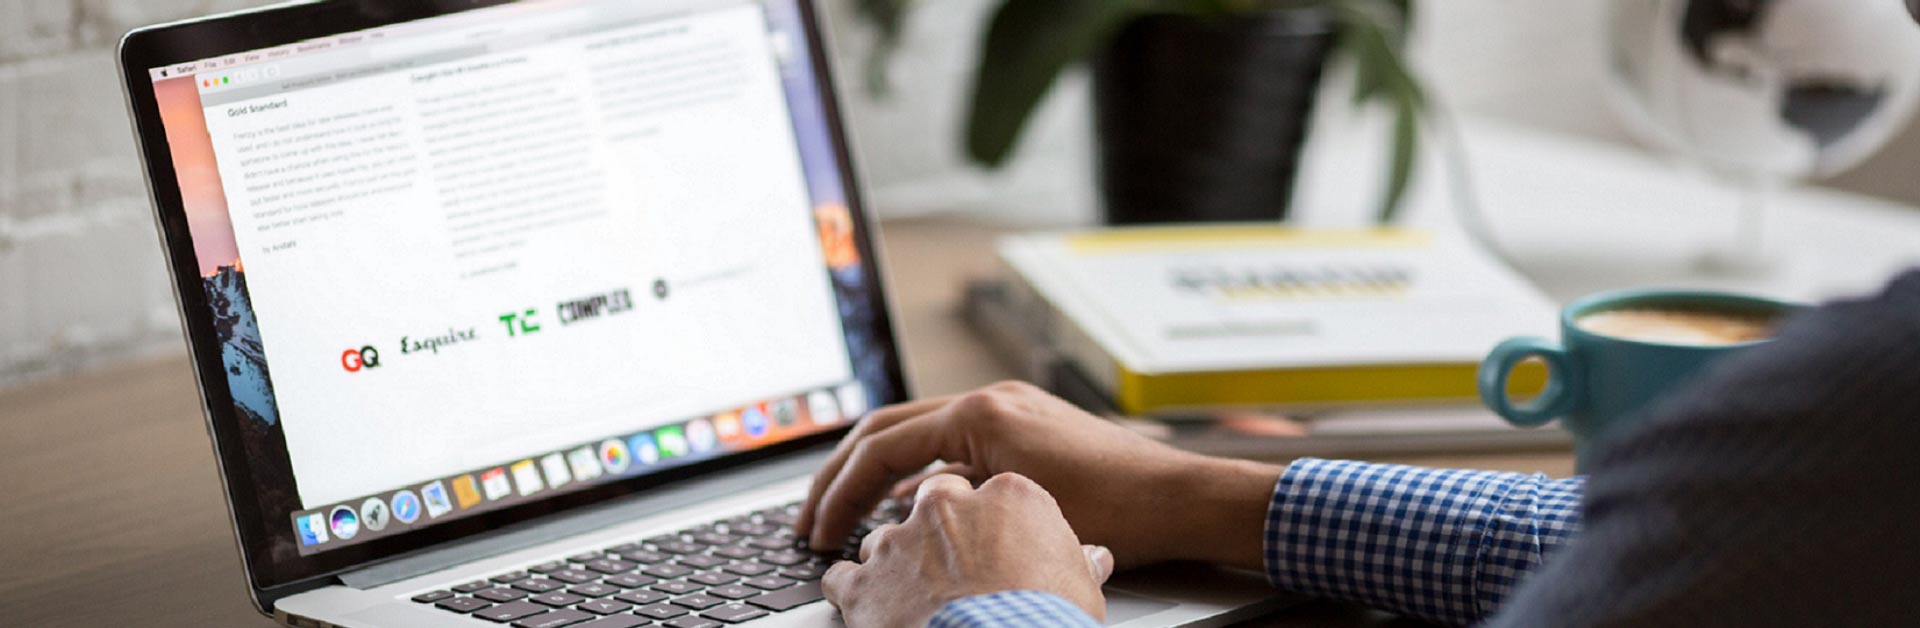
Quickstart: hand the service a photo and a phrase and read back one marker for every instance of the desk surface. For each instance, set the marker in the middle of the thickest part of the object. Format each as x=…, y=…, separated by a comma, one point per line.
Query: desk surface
x=113, y=514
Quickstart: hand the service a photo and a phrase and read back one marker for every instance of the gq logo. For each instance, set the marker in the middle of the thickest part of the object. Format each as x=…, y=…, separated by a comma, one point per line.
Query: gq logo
x=365, y=357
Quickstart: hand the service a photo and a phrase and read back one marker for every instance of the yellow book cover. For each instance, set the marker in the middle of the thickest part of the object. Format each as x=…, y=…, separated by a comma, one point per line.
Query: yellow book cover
x=1262, y=315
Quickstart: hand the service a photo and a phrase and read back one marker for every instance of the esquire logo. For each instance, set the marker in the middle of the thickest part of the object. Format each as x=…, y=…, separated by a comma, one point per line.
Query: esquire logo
x=433, y=344
x=356, y=360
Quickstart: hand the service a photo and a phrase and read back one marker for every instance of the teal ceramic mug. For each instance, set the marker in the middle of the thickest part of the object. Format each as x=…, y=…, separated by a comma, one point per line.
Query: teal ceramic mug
x=1599, y=383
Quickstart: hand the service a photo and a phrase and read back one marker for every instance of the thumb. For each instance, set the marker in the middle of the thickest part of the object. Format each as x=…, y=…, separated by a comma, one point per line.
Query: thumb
x=1099, y=561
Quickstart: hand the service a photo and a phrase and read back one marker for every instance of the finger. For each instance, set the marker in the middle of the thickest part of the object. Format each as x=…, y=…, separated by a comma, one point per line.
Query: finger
x=1099, y=561
x=938, y=487
x=837, y=583
x=873, y=423
x=876, y=463
x=906, y=488
x=872, y=541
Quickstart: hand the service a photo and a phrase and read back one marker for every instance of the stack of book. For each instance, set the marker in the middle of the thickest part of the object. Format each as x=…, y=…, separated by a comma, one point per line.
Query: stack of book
x=1258, y=340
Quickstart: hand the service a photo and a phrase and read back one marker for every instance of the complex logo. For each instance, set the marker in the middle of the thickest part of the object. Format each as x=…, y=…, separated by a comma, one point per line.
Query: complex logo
x=354, y=360
x=595, y=306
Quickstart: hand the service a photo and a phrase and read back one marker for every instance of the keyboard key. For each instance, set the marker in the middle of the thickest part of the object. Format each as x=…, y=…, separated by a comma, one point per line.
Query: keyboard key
x=713, y=578
x=641, y=598
x=663, y=539
x=782, y=518
x=701, y=561
x=699, y=602
x=692, y=621
x=611, y=566
x=574, y=576
x=432, y=596
x=555, y=619
x=771, y=543
x=786, y=558
x=680, y=547
x=623, y=547
x=508, y=612
x=537, y=585
x=594, y=589
x=755, y=529
x=715, y=538
x=499, y=594
x=605, y=607
x=769, y=583
x=558, y=599
x=585, y=557
x=662, y=610
x=463, y=604
x=677, y=587
x=510, y=577
x=631, y=580
x=734, y=592
x=472, y=586
x=734, y=613
x=667, y=571
x=736, y=552
x=616, y=621
x=782, y=600
x=644, y=557
x=805, y=572
x=548, y=567
x=749, y=569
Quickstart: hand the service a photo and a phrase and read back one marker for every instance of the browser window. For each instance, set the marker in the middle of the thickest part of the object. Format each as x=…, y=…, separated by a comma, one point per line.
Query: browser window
x=473, y=260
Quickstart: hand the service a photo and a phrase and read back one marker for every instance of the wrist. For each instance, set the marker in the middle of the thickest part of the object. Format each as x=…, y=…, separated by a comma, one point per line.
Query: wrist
x=1219, y=511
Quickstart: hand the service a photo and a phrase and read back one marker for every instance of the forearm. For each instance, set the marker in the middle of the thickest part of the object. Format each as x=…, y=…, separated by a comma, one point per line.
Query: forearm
x=1216, y=511
x=1442, y=545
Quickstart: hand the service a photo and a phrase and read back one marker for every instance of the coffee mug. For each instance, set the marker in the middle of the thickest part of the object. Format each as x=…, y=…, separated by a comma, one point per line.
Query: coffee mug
x=1597, y=383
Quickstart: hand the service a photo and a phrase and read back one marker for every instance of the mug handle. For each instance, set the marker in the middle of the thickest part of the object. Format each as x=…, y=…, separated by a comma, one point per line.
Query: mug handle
x=1557, y=400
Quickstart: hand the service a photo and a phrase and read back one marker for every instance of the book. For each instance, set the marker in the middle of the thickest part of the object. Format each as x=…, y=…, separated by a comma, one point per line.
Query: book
x=1265, y=434
x=1265, y=316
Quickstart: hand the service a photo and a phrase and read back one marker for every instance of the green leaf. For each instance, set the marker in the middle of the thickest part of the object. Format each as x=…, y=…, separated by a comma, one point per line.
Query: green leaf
x=889, y=19
x=1374, y=32
x=1406, y=141
x=1028, y=44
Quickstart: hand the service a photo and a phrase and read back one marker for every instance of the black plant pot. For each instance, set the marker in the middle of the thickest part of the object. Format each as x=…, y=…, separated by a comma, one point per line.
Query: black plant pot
x=1202, y=118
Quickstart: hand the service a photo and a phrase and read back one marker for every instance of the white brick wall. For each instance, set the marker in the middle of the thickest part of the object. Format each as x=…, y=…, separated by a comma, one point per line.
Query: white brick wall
x=81, y=275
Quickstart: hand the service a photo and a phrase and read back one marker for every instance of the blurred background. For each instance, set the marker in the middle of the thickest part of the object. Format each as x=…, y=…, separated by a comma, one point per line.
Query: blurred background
x=82, y=279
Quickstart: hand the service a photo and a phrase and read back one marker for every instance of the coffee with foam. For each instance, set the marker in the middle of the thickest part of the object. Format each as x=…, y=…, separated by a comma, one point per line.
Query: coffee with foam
x=1679, y=327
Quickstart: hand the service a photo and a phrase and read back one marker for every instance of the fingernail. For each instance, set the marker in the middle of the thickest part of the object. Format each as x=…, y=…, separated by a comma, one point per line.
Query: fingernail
x=1101, y=560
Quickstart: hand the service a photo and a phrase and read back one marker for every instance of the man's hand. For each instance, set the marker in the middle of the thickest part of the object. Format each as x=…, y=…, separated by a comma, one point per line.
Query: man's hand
x=1146, y=501
x=960, y=542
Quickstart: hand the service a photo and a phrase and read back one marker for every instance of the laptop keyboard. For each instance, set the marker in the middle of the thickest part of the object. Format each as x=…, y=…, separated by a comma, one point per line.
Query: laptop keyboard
x=729, y=571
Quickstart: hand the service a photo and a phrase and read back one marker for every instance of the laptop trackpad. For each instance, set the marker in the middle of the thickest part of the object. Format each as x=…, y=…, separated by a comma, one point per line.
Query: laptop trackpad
x=1123, y=607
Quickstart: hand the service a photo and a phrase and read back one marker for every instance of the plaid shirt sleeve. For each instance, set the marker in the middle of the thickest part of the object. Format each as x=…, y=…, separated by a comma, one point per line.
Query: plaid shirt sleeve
x=1443, y=545
x=1011, y=608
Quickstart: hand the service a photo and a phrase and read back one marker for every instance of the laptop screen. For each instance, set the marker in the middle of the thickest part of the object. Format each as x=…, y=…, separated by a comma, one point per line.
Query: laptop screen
x=475, y=261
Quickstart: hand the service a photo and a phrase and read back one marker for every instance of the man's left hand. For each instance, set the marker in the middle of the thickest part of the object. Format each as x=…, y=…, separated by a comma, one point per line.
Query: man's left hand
x=960, y=542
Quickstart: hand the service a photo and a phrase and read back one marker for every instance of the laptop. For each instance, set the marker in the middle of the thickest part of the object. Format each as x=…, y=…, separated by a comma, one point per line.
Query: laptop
x=529, y=313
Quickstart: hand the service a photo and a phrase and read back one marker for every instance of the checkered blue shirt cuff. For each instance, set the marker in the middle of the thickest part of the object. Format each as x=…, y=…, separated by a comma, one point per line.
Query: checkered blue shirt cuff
x=1011, y=608
x=1443, y=545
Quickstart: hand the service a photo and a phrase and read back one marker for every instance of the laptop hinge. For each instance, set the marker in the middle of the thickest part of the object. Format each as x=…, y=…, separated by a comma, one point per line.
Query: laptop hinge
x=680, y=494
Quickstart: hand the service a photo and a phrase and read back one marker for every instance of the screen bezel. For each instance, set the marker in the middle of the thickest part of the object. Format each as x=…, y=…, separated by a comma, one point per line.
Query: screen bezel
x=268, y=579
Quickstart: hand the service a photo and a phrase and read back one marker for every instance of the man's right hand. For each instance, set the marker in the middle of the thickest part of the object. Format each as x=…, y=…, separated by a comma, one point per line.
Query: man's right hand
x=1145, y=501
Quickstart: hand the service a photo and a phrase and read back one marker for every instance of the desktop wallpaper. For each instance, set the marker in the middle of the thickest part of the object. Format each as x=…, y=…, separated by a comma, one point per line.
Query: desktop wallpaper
x=223, y=277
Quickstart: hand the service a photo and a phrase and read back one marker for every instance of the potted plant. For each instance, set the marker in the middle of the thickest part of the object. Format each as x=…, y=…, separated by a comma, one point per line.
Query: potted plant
x=1201, y=106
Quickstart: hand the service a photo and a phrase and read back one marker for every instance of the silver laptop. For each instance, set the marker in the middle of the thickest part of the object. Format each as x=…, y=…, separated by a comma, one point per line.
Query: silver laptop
x=528, y=313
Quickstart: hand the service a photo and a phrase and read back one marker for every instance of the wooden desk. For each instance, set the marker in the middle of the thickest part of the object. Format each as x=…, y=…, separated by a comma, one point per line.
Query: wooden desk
x=113, y=514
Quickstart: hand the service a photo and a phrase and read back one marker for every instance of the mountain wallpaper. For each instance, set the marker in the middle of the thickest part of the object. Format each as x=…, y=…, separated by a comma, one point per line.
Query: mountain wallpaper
x=261, y=437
